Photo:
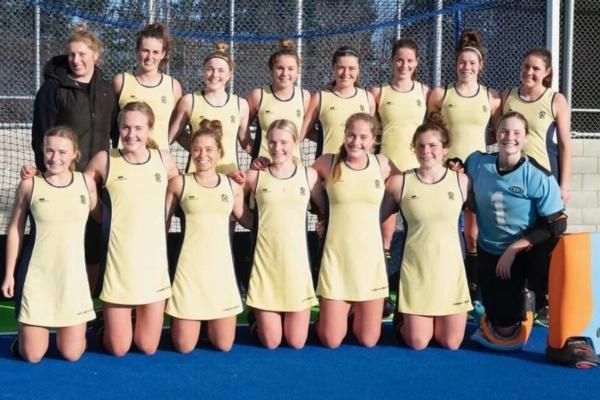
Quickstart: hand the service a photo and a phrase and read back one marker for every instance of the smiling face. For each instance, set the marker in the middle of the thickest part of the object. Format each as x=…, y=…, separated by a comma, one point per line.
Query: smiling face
x=205, y=152
x=511, y=136
x=429, y=149
x=533, y=71
x=216, y=74
x=404, y=63
x=82, y=60
x=359, y=139
x=281, y=145
x=468, y=65
x=346, y=70
x=59, y=154
x=134, y=130
x=284, y=71
x=150, y=54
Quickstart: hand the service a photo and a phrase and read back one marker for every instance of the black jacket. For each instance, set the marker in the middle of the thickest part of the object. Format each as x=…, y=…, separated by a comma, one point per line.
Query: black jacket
x=90, y=110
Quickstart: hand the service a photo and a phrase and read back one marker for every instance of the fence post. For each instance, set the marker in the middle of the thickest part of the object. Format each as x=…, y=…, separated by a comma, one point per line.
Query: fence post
x=399, y=5
x=553, y=37
x=231, y=42
x=437, y=45
x=458, y=22
x=567, y=76
x=150, y=11
x=37, y=48
x=299, y=32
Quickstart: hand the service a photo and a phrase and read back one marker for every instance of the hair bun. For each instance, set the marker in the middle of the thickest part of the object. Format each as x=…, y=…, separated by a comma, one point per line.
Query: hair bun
x=221, y=47
x=80, y=28
x=286, y=44
x=437, y=118
x=470, y=38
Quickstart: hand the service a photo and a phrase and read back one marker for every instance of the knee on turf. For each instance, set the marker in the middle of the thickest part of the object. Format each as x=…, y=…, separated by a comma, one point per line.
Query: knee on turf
x=32, y=357
x=72, y=353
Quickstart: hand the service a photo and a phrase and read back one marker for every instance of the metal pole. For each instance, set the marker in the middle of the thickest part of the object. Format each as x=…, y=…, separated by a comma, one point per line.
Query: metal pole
x=458, y=23
x=150, y=11
x=37, y=49
x=567, y=77
x=167, y=20
x=299, y=32
x=553, y=37
x=437, y=45
x=399, y=5
x=231, y=42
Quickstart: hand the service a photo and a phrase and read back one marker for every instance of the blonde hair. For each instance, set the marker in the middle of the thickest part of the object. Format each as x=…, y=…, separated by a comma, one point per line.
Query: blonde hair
x=289, y=127
x=81, y=34
x=220, y=51
x=375, y=125
x=212, y=128
x=145, y=109
x=63, y=131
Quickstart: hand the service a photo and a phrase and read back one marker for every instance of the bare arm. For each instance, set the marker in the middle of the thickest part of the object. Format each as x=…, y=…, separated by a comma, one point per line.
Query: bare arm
x=243, y=132
x=95, y=206
x=563, y=130
x=177, y=90
x=372, y=105
x=97, y=168
x=14, y=236
x=169, y=163
x=240, y=211
x=391, y=199
x=317, y=195
x=310, y=118
x=179, y=121
x=118, y=84
x=436, y=99
x=174, y=189
x=496, y=113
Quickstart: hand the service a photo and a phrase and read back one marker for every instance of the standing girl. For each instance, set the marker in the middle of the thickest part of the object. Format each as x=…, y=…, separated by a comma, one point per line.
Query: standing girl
x=51, y=290
x=205, y=288
x=281, y=287
x=352, y=271
x=134, y=181
x=282, y=99
x=148, y=83
x=549, y=140
x=214, y=103
x=433, y=294
x=467, y=106
x=332, y=106
x=401, y=106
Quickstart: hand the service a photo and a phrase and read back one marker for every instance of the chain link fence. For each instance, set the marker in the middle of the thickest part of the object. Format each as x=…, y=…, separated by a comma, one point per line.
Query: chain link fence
x=36, y=30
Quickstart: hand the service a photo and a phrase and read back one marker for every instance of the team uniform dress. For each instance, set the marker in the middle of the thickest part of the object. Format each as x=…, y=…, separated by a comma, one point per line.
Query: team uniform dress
x=160, y=98
x=401, y=113
x=507, y=204
x=333, y=113
x=229, y=116
x=541, y=140
x=467, y=119
x=52, y=288
x=432, y=279
x=280, y=279
x=353, y=264
x=136, y=269
x=272, y=108
x=205, y=286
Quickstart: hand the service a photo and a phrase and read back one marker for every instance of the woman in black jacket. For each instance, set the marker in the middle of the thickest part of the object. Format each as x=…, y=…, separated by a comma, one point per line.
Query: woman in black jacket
x=76, y=94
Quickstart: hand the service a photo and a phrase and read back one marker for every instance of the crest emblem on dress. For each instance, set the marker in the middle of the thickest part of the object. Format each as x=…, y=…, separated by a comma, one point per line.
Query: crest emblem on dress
x=542, y=114
x=82, y=198
x=377, y=183
x=298, y=113
x=362, y=108
x=163, y=99
x=232, y=119
x=450, y=195
x=484, y=108
x=419, y=103
x=224, y=198
x=302, y=191
x=157, y=177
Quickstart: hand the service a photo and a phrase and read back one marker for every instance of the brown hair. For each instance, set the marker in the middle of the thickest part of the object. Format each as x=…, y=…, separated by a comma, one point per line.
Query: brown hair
x=434, y=121
x=212, y=128
x=546, y=57
x=406, y=44
x=145, y=109
x=344, y=51
x=470, y=40
x=286, y=48
x=514, y=114
x=67, y=133
x=158, y=31
x=375, y=130
x=81, y=34
x=220, y=51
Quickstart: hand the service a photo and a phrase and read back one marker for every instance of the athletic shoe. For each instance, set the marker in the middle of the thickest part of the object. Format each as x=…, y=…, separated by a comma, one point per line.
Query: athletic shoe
x=388, y=308
x=477, y=312
x=577, y=353
x=541, y=317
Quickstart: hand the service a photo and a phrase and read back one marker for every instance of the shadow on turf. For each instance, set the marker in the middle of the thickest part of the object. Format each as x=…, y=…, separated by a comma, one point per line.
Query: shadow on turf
x=243, y=338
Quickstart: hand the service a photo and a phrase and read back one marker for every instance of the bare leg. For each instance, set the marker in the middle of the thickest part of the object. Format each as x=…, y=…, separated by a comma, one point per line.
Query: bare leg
x=184, y=334
x=118, y=332
x=416, y=331
x=295, y=326
x=449, y=330
x=221, y=332
x=333, y=325
x=71, y=342
x=148, y=326
x=367, y=321
x=33, y=342
x=269, y=330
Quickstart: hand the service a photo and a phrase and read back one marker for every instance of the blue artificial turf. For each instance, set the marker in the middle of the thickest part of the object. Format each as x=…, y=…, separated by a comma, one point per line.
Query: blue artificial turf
x=251, y=372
